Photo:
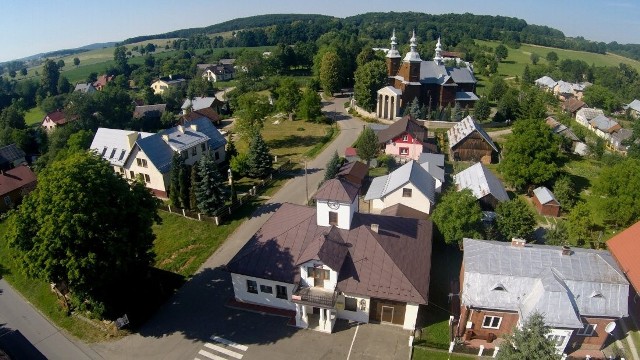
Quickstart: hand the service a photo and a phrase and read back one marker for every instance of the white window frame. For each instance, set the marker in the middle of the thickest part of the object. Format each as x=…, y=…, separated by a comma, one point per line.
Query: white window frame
x=585, y=330
x=252, y=286
x=404, y=151
x=484, y=320
x=405, y=137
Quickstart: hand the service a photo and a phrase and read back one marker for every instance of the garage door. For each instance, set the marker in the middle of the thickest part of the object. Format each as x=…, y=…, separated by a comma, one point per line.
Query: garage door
x=387, y=311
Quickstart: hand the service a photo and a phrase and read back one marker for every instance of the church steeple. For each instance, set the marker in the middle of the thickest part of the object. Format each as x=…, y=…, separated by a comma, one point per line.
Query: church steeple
x=393, y=52
x=438, y=58
x=413, y=55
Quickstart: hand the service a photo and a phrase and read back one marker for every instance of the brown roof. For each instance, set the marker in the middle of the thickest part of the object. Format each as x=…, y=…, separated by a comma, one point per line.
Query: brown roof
x=16, y=178
x=355, y=168
x=102, y=80
x=573, y=104
x=208, y=113
x=393, y=263
x=402, y=210
x=337, y=190
x=625, y=248
x=330, y=248
x=57, y=117
x=406, y=124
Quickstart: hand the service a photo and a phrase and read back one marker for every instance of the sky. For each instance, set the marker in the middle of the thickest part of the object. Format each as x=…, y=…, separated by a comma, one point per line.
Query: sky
x=29, y=27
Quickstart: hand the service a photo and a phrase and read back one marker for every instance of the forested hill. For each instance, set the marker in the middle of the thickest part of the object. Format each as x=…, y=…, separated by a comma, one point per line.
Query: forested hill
x=290, y=28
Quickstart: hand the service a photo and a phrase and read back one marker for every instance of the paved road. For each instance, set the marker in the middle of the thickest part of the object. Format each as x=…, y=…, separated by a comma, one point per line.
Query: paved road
x=17, y=314
x=182, y=327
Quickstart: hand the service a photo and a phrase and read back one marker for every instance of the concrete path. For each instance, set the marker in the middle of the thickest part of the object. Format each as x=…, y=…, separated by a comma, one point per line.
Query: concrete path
x=184, y=325
x=17, y=314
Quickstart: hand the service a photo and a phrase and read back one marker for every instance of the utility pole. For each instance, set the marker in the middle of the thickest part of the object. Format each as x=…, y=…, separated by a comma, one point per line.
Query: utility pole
x=306, y=181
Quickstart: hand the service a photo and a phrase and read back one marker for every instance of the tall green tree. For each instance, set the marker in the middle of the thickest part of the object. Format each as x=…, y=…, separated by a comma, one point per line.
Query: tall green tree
x=367, y=145
x=330, y=73
x=457, y=216
x=185, y=185
x=60, y=64
x=497, y=88
x=252, y=109
x=565, y=191
x=332, y=168
x=529, y=342
x=482, y=108
x=557, y=234
x=231, y=150
x=527, y=161
x=195, y=182
x=369, y=78
x=552, y=57
x=210, y=194
x=64, y=86
x=12, y=117
x=534, y=58
x=177, y=162
x=580, y=225
x=259, y=160
x=501, y=52
x=310, y=106
x=515, y=219
x=49, y=78
x=619, y=190
x=76, y=61
x=66, y=234
x=120, y=57
x=289, y=96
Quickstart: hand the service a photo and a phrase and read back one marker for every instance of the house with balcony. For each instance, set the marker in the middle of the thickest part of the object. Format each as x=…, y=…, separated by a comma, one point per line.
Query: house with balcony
x=332, y=262
x=148, y=156
x=580, y=292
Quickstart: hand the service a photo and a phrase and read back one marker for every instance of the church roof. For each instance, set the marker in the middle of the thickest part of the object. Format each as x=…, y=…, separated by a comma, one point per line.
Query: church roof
x=337, y=190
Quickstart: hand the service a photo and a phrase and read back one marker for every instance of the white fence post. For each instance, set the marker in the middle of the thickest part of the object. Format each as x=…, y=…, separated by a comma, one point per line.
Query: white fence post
x=451, y=345
x=169, y=206
x=481, y=350
x=495, y=351
x=217, y=220
x=199, y=218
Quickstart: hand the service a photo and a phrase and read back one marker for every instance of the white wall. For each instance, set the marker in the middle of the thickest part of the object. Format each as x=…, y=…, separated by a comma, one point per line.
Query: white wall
x=345, y=213
x=240, y=290
x=417, y=200
x=410, y=316
x=307, y=280
x=157, y=180
x=358, y=315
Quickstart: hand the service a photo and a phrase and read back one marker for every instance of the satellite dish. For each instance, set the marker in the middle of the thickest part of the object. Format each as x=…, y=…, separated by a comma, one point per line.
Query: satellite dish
x=610, y=327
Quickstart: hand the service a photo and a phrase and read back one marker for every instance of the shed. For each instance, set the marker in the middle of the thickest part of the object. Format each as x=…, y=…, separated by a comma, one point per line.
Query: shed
x=545, y=202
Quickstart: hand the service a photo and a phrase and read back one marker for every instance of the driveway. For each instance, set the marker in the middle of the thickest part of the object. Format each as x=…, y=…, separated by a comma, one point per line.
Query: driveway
x=183, y=327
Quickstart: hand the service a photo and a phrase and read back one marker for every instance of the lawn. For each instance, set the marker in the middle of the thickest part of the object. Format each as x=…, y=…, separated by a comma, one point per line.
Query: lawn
x=34, y=116
x=429, y=354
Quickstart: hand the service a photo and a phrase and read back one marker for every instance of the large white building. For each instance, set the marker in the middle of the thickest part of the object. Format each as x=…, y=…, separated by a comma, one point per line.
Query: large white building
x=332, y=262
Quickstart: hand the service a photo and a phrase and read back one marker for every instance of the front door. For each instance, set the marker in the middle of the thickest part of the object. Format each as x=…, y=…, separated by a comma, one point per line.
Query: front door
x=387, y=314
x=319, y=276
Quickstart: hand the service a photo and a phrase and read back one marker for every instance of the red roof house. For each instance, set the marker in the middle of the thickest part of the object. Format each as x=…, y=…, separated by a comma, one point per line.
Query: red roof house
x=14, y=185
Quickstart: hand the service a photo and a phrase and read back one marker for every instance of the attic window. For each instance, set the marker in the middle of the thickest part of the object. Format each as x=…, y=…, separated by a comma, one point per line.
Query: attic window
x=104, y=151
x=122, y=155
x=113, y=153
x=499, y=287
x=596, y=294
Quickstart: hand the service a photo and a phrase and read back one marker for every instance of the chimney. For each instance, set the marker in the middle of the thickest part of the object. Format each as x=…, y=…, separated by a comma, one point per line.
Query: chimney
x=515, y=242
x=375, y=227
x=181, y=128
x=131, y=138
x=165, y=137
x=566, y=250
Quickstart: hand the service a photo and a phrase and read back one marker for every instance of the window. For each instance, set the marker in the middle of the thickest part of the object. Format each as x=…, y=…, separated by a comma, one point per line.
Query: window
x=491, y=322
x=141, y=162
x=194, y=151
x=113, y=153
x=147, y=179
x=405, y=137
x=121, y=170
x=122, y=155
x=406, y=192
x=7, y=200
x=558, y=340
x=266, y=289
x=216, y=156
x=350, y=304
x=588, y=330
x=203, y=146
x=318, y=273
x=133, y=175
x=104, y=151
x=281, y=292
x=333, y=218
x=404, y=151
x=252, y=286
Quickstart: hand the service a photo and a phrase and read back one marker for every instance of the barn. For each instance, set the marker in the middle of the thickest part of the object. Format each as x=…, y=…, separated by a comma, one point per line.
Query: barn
x=469, y=142
x=545, y=202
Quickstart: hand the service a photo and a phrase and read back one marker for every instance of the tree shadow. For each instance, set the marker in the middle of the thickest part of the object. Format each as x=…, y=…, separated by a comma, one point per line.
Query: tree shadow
x=4, y=271
x=266, y=209
x=16, y=346
x=294, y=141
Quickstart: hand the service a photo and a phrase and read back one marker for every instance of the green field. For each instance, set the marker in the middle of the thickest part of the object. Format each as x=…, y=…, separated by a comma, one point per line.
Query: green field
x=429, y=354
x=518, y=58
x=34, y=116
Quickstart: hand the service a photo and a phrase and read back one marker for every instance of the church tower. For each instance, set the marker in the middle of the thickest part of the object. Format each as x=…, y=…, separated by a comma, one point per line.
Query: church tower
x=393, y=57
x=438, y=58
x=412, y=58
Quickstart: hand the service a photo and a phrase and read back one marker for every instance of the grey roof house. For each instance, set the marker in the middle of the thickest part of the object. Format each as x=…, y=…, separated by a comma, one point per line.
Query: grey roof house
x=11, y=156
x=578, y=291
x=484, y=185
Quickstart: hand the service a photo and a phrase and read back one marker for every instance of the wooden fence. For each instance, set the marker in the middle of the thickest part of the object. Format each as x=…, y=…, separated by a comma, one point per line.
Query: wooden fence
x=227, y=210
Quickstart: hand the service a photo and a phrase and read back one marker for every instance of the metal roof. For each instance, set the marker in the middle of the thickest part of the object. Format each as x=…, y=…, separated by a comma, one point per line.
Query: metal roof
x=339, y=190
x=544, y=195
x=592, y=281
x=481, y=181
x=464, y=128
x=158, y=152
x=434, y=170
x=393, y=263
x=204, y=126
x=407, y=124
x=115, y=145
x=198, y=103
x=603, y=123
x=466, y=96
x=10, y=153
x=634, y=105
x=436, y=159
x=411, y=172
x=546, y=81
x=589, y=113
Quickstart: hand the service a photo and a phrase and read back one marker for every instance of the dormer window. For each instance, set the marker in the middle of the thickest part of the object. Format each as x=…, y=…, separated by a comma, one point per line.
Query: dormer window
x=596, y=295
x=498, y=287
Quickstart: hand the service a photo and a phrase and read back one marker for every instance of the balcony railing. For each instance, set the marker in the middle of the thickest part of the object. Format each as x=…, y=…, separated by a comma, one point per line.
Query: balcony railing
x=315, y=296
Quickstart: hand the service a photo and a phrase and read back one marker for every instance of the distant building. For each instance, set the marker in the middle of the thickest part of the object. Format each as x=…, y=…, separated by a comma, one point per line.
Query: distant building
x=149, y=111
x=14, y=185
x=11, y=156
x=435, y=85
x=85, y=88
x=54, y=119
x=634, y=108
x=102, y=81
x=404, y=139
x=161, y=85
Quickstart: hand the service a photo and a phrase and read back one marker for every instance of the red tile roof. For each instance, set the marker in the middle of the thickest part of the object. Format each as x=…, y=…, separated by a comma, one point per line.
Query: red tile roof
x=350, y=152
x=57, y=117
x=337, y=190
x=16, y=178
x=393, y=263
x=625, y=248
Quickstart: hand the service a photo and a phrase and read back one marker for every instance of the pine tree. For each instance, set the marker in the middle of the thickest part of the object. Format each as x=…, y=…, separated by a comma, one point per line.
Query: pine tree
x=259, y=162
x=367, y=145
x=413, y=109
x=333, y=166
x=209, y=191
x=193, y=203
x=174, y=185
x=529, y=342
x=184, y=185
x=231, y=148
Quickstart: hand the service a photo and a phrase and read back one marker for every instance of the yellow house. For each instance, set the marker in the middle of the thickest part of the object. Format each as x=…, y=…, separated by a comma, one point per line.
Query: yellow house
x=159, y=86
